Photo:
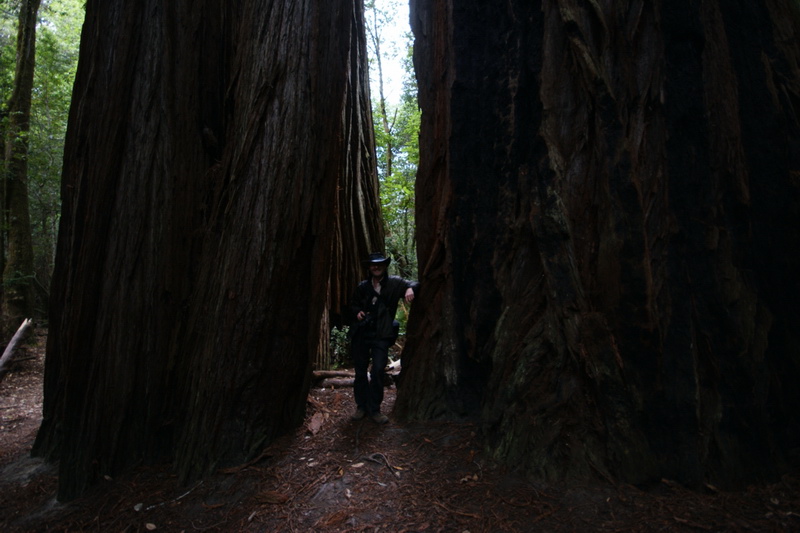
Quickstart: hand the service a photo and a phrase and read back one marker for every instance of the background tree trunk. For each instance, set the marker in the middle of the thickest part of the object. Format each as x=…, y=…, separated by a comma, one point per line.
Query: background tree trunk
x=218, y=190
x=18, y=293
x=607, y=208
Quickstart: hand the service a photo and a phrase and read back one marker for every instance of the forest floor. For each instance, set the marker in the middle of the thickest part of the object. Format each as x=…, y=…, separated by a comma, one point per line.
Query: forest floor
x=335, y=475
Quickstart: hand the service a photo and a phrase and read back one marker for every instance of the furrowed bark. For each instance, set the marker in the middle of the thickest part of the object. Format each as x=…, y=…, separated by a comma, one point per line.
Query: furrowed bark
x=609, y=246
x=218, y=194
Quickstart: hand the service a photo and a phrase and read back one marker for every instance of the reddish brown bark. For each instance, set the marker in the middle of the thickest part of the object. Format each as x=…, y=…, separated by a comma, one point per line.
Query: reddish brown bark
x=607, y=200
x=218, y=193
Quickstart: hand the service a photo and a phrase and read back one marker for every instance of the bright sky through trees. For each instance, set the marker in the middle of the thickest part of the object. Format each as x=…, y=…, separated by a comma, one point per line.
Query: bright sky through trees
x=394, y=36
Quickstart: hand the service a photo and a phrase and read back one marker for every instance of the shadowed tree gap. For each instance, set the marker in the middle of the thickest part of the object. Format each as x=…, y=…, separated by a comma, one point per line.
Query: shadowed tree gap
x=396, y=118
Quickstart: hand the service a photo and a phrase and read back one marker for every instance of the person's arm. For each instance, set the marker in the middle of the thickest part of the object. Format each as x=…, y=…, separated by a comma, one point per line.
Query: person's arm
x=411, y=290
x=409, y=296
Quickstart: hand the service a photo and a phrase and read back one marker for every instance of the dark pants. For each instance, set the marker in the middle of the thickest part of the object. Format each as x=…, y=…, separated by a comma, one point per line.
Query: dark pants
x=369, y=392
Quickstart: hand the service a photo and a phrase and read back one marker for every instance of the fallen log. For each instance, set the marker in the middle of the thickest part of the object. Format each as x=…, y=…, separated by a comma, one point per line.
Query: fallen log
x=319, y=375
x=343, y=382
x=8, y=353
x=336, y=383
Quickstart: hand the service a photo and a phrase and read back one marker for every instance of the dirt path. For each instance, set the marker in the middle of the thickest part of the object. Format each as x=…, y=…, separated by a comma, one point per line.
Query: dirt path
x=336, y=475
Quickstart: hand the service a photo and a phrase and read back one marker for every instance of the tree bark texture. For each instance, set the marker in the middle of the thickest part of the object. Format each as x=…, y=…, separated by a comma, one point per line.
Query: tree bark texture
x=607, y=206
x=18, y=293
x=219, y=190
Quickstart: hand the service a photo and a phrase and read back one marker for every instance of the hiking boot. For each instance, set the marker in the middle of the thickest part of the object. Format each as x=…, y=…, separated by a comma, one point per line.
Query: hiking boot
x=379, y=418
x=358, y=415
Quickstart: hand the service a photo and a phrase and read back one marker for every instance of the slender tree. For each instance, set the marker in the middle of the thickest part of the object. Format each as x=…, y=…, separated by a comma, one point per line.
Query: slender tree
x=379, y=15
x=18, y=266
x=607, y=207
x=219, y=191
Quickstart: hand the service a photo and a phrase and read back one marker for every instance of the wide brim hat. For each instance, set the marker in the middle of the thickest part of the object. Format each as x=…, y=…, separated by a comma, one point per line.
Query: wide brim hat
x=377, y=258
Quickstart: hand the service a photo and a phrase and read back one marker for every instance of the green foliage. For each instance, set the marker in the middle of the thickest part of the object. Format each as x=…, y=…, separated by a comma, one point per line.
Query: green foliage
x=397, y=188
x=57, y=43
x=8, y=53
x=340, y=347
x=396, y=139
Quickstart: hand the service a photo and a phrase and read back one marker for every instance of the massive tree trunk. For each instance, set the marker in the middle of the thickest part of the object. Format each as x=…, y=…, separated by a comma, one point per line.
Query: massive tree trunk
x=17, y=266
x=218, y=191
x=608, y=203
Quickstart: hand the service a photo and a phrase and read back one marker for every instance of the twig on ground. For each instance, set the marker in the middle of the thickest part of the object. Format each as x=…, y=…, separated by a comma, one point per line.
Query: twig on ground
x=455, y=511
x=176, y=499
x=383, y=461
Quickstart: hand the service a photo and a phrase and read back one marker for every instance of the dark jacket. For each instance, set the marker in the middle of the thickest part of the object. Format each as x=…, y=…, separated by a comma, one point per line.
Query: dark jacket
x=380, y=308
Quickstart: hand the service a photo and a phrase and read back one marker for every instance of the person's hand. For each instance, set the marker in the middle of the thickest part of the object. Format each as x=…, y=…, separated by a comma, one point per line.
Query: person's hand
x=409, y=295
x=360, y=316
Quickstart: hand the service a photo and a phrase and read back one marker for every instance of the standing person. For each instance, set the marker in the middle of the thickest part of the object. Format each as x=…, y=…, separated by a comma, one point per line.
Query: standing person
x=373, y=305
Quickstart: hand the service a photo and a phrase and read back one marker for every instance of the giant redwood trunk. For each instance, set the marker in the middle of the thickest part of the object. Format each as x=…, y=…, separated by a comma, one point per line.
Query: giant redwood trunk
x=218, y=193
x=607, y=210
